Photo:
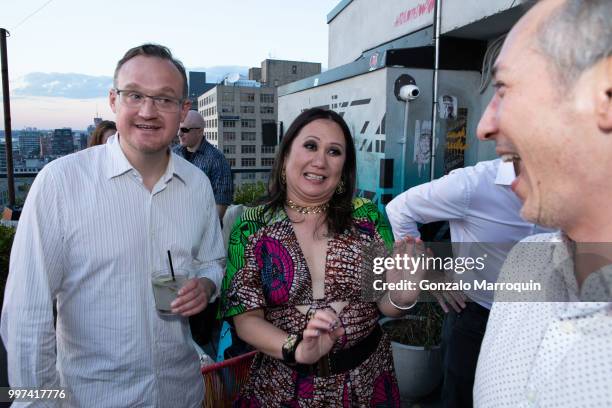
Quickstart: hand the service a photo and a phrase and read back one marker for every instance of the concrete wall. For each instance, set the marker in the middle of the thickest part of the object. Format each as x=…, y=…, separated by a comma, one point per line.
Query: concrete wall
x=459, y=13
x=365, y=24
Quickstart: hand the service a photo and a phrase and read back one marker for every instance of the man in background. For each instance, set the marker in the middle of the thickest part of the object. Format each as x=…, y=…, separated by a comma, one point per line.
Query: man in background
x=196, y=149
x=483, y=215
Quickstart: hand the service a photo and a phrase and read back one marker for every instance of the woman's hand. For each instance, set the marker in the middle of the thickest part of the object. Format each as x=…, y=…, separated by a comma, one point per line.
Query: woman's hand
x=321, y=332
x=414, y=249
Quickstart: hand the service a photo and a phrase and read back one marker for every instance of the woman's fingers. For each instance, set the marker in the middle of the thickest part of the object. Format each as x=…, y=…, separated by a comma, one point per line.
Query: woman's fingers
x=311, y=334
x=326, y=317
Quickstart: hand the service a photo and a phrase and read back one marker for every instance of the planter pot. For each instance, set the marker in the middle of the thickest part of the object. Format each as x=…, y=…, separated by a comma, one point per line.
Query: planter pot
x=418, y=370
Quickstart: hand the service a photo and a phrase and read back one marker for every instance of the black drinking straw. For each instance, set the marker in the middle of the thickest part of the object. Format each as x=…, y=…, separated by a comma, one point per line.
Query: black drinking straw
x=171, y=267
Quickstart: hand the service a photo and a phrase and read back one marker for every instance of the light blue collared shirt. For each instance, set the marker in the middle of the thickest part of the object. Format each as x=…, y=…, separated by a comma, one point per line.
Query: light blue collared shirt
x=480, y=208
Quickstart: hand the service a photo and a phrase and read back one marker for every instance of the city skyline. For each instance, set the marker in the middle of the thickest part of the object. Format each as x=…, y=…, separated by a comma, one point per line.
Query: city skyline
x=65, y=81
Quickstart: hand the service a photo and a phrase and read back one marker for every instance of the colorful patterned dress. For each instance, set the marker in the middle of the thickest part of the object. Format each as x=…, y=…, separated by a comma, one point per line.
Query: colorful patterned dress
x=266, y=269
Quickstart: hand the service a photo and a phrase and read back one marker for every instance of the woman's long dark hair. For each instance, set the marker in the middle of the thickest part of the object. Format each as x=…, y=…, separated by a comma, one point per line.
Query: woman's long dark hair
x=338, y=217
x=98, y=133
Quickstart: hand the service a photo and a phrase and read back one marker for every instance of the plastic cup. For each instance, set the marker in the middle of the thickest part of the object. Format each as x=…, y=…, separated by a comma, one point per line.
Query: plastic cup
x=165, y=289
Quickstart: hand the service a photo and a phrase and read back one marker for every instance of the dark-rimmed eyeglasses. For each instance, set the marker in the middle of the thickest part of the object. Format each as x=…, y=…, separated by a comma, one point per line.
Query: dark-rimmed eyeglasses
x=186, y=130
x=135, y=99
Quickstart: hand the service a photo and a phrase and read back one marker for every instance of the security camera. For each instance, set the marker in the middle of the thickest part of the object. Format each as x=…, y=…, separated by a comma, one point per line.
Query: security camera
x=409, y=92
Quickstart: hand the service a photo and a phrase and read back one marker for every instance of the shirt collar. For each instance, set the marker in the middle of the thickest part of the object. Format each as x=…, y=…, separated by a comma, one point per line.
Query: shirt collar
x=203, y=145
x=596, y=288
x=505, y=173
x=117, y=164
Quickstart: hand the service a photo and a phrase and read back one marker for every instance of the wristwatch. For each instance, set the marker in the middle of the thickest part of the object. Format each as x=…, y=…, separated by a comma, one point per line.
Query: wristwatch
x=289, y=347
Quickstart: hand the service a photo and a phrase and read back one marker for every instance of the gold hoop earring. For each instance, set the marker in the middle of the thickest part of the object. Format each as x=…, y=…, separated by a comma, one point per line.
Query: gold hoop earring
x=340, y=188
x=283, y=177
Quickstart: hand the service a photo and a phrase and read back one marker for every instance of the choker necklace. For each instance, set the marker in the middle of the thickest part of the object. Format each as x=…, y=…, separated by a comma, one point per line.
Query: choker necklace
x=307, y=210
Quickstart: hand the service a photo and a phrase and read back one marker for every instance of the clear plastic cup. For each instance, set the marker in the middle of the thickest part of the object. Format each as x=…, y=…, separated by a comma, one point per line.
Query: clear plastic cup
x=165, y=288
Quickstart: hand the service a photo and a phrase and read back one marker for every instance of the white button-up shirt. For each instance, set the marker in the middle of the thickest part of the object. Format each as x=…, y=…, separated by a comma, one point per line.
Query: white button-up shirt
x=481, y=209
x=548, y=354
x=89, y=237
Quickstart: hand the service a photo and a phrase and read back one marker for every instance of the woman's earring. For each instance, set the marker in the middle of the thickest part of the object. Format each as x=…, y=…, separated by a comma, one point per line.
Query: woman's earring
x=340, y=187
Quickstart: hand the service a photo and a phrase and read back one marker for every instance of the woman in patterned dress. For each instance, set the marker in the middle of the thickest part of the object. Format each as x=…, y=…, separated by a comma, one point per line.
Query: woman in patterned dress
x=294, y=282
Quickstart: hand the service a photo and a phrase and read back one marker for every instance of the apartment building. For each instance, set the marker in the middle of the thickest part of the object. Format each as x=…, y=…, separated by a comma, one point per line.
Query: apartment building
x=240, y=116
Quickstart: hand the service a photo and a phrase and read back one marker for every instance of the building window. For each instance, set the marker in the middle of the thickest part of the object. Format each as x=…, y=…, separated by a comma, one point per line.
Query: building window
x=247, y=97
x=228, y=96
x=229, y=123
x=227, y=109
x=247, y=149
x=229, y=136
x=232, y=162
x=266, y=109
x=266, y=98
x=247, y=162
x=267, y=161
x=268, y=149
x=248, y=136
x=247, y=123
x=247, y=109
x=294, y=69
x=229, y=149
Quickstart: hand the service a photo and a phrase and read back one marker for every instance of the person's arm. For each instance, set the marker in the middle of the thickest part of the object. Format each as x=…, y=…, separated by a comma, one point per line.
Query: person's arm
x=198, y=292
x=319, y=336
x=221, y=211
x=443, y=199
x=35, y=274
x=223, y=186
x=397, y=303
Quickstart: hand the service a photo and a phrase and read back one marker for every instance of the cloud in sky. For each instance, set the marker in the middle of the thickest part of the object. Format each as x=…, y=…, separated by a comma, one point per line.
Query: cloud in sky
x=76, y=86
x=82, y=86
x=54, y=100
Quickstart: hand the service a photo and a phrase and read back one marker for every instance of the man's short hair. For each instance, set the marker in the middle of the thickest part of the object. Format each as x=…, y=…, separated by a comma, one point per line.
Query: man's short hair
x=576, y=37
x=152, y=50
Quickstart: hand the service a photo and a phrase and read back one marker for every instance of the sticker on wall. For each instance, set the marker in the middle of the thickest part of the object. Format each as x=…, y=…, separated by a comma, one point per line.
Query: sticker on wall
x=447, y=107
x=422, y=145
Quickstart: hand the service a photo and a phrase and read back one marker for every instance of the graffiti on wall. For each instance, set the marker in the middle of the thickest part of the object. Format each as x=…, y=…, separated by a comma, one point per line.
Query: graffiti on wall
x=456, y=142
x=422, y=145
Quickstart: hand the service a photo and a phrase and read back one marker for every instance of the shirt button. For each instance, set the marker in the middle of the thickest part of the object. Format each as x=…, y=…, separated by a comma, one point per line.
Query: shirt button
x=531, y=395
x=567, y=327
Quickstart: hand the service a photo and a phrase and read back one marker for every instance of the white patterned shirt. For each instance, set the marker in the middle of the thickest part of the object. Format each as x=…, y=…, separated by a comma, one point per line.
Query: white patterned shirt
x=548, y=354
x=89, y=237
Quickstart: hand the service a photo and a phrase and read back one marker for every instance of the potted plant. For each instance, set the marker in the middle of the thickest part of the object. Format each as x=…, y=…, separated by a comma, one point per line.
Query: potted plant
x=415, y=343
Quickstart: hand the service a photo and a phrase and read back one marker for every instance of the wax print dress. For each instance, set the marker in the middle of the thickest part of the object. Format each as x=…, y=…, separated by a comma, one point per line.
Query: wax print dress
x=266, y=269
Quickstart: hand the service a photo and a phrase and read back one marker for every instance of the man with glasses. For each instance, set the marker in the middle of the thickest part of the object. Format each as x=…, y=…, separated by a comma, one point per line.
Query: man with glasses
x=196, y=149
x=95, y=226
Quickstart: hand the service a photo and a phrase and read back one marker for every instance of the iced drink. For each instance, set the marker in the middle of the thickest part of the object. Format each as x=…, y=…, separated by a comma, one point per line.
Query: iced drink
x=165, y=289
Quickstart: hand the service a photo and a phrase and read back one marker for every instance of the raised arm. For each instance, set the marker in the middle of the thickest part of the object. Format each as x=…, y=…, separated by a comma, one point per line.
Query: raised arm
x=443, y=199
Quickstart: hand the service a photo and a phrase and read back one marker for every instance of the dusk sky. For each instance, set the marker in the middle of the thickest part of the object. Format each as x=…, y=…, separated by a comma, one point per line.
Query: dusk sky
x=61, y=59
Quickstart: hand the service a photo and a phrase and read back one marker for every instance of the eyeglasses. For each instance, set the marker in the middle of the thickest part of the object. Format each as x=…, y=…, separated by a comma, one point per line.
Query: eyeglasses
x=186, y=130
x=133, y=99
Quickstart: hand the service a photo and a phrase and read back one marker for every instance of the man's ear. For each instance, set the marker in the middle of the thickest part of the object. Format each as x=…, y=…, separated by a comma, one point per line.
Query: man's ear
x=185, y=109
x=604, y=98
x=112, y=100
